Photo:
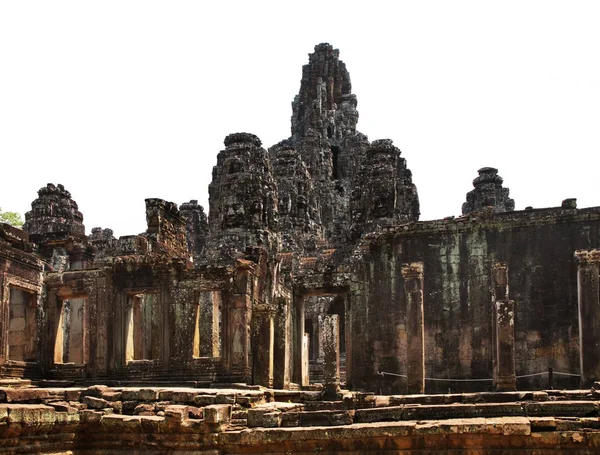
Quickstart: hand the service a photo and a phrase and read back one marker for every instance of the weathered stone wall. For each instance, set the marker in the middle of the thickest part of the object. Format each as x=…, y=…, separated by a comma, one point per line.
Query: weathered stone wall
x=21, y=272
x=458, y=255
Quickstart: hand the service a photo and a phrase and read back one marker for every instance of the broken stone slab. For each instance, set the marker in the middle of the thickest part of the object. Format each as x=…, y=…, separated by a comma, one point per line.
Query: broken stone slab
x=324, y=405
x=568, y=424
x=577, y=394
x=183, y=396
x=204, y=400
x=542, y=423
x=195, y=413
x=73, y=394
x=388, y=414
x=180, y=395
x=249, y=400
x=144, y=409
x=503, y=397
x=96, y=403
x=63, y=406
x=325, y=418
x=64, y=418
x=112, y=395
x=358, y=400
x=29, y=414
x=139, y=394
x=225, y=398
x=289, y=396
x=267, y=418
x=15, y=382
x=562, y=408
x=461, y=411
x=115, y=423
x=95, y=391
x=256, y=416
x=23, y=395
x=473, y=426
x=91, y=416
x=396, y=400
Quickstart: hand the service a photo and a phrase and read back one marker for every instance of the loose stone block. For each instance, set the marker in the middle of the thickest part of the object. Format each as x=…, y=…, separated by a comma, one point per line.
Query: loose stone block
x=176, y=413
x=217, y=414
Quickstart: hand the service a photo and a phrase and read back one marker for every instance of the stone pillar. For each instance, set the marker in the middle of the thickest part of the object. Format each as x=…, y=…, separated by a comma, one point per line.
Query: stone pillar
x=305, y=356
x=282, y=345
x=209, y=321
x=503, y=331
x=415, y=337
x=588, y=295
x=299, y=374
x=331, y=357
x=263, y=341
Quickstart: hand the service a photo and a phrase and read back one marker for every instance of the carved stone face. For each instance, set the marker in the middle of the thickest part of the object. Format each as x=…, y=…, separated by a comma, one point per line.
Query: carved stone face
x=383, y=203
x=234, y=213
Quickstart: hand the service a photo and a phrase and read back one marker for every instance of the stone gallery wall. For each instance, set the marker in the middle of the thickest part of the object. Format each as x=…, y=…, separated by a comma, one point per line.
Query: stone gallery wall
x=458, y=256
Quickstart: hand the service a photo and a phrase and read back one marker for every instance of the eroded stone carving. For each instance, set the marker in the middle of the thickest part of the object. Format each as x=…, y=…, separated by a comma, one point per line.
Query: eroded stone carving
x=488, y=192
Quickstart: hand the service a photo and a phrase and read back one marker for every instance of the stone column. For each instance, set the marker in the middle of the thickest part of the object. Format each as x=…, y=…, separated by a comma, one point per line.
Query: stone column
x=588, y=295
x=305, y=357
x=282, y=347
x=415, y=356
x=263, y=340
x=503, y=330
x=209, y=318
x=331, y=357
x=299, y=374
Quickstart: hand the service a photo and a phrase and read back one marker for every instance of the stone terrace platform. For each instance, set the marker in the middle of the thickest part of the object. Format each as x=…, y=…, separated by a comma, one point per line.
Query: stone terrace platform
x=193, y=421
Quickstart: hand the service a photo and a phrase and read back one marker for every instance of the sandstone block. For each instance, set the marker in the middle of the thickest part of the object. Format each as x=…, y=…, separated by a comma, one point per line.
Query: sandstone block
x=315, y=418
x=392, y=413
x=562, y=408
x=115, y=423
x=176, y=413
x=20, y=395
x=204, y=400
x=96, y=403
x=30, y=413
x=217, y=414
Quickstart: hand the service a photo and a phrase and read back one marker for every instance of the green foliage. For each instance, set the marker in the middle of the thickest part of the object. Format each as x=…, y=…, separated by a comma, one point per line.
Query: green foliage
x=12, y=218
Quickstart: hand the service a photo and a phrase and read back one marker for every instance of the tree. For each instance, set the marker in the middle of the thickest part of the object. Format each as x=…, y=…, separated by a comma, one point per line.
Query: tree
x=12, y=218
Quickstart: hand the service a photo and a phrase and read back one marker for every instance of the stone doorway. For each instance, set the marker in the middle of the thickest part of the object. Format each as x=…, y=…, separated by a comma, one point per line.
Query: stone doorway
x=69, y=345
x=316, y=308
x=22, y=326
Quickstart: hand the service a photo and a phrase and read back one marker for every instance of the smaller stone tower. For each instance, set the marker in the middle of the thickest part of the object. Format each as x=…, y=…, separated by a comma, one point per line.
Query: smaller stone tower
x=383, y=190
x=488, y=192
x=242, y=199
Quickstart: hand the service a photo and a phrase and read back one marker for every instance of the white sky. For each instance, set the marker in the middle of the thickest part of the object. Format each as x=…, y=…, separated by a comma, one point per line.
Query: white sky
x=125, y=100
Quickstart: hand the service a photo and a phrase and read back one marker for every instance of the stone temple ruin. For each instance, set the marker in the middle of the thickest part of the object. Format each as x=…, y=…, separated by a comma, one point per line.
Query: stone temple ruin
x=310, y=295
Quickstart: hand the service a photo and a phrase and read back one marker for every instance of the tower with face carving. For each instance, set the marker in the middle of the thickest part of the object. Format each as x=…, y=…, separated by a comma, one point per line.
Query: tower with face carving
x=242, y=198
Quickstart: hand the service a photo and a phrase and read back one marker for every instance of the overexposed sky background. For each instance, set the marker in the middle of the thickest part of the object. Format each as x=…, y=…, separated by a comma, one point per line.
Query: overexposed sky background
x=125, y=100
